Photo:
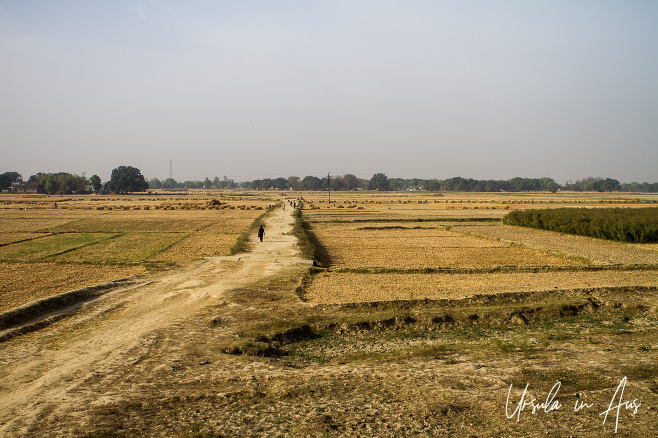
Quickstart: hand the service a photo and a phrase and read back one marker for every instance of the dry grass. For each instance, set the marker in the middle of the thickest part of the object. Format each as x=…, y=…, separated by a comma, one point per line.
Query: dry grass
x=198, y=245
x=347, y=287
x=24, y=282
x=419, y=231
x=10, y=237
x=22, y=221
x=356, y=206
x=599, y=251
x=358, y=246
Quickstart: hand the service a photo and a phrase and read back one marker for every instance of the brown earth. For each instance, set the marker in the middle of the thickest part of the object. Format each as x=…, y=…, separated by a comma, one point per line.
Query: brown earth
x=158, y=359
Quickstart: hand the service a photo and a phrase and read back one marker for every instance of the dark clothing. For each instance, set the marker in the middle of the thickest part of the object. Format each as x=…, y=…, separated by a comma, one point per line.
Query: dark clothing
x=261, y=233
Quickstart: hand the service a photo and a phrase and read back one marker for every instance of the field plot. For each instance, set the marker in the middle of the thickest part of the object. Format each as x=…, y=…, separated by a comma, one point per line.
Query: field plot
x=92, y=239
x=421, y=206
x=44, y=247
x=598, y=251
x=131, y=222
x=197, y=245
x=130, y=248
x=348, y=287
x=22, y=221
x=351, y=246
x=394, y=248
x=6, y=238
x=25, y=282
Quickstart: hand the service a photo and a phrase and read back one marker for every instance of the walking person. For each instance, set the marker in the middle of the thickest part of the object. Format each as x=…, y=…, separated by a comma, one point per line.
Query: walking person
x=261, y=233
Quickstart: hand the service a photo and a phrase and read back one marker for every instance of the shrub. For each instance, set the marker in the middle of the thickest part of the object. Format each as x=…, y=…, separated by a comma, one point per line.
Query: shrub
x=633, y=225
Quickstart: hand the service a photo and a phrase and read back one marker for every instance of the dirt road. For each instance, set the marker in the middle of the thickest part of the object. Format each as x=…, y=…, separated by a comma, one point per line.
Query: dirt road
x=56, y=374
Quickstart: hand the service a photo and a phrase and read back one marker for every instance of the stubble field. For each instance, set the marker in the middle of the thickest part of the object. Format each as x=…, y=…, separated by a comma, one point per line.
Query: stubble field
x=53, y=244
x=423, y=247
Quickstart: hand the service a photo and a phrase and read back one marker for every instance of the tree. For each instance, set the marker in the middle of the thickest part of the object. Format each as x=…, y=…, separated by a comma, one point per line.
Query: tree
x=155, y=183
x=379, y=181
x=50, y=184
x=125, y=179
x=96, y=183
x=294, y=183
x=68, y=183
x=169, y=183
x=610, y=185
x=280, y=183
x=311, y=183
x=9, y=178
x=351, y=181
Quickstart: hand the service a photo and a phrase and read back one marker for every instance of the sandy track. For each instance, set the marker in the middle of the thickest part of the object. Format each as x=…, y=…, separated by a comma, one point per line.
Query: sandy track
x=75, y=362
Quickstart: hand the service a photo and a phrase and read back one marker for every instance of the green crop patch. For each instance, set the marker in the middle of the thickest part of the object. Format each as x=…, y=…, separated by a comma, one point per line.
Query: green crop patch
x=124, y=249
x=49, y=246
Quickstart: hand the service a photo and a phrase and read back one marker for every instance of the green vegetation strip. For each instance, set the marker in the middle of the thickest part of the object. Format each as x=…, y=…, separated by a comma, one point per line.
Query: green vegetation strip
x=632, y=225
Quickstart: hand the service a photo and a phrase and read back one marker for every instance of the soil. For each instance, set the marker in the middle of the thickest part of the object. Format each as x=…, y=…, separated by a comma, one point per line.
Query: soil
x=159, y=358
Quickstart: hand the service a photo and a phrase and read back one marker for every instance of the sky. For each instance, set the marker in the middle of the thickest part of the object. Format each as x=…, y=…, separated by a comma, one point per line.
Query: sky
x=431, y=89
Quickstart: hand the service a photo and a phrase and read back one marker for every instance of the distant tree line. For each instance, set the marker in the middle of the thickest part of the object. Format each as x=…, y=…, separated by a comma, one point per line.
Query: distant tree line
x=380, y=181
x=129, y=179
x=215, y=183
x=124, y=179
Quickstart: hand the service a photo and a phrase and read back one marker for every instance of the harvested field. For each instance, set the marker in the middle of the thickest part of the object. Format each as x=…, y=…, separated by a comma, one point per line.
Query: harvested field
x=24, y=282
x=197, y=245
x=348, y=287
x=389, y=235
x=351, y=246
x=104, y=235
x=19, y=236
x=597, y=250
x=27, y=222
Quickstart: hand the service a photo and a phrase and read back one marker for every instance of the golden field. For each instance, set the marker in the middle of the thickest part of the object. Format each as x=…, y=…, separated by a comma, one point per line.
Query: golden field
x=395, y=246
x=52, y=244
x=351, y=246
x=347, y=287
x=377, y=236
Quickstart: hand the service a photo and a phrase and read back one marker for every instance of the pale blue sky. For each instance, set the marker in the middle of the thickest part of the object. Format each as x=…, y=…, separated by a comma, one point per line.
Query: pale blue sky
x=254, y=89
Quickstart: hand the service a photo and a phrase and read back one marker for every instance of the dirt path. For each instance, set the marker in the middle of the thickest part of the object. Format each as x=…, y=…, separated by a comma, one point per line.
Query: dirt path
x=80, y=361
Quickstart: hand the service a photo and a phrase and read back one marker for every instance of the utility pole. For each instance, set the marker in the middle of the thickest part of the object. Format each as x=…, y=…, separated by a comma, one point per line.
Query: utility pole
x=329, y=187
x=171, y=173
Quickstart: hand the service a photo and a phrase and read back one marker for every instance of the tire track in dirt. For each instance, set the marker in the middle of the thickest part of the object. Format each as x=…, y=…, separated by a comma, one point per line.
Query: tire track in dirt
x=48, y=373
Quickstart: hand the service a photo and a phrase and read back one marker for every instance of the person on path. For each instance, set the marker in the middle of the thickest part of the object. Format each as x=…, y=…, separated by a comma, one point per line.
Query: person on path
x=261, y=233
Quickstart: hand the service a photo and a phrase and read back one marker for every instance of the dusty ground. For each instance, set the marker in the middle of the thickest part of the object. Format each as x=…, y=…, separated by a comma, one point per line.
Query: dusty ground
x=158, y=359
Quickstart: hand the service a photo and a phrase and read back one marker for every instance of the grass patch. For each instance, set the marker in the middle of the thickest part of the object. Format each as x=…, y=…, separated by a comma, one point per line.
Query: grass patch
x=49, y=246
x=300, y=228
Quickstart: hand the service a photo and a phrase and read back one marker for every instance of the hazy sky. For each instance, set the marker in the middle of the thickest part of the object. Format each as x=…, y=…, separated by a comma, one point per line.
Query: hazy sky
x=254, y=89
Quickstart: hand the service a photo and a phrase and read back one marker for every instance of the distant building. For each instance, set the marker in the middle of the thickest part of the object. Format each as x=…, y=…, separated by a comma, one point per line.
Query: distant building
x=31, y=187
